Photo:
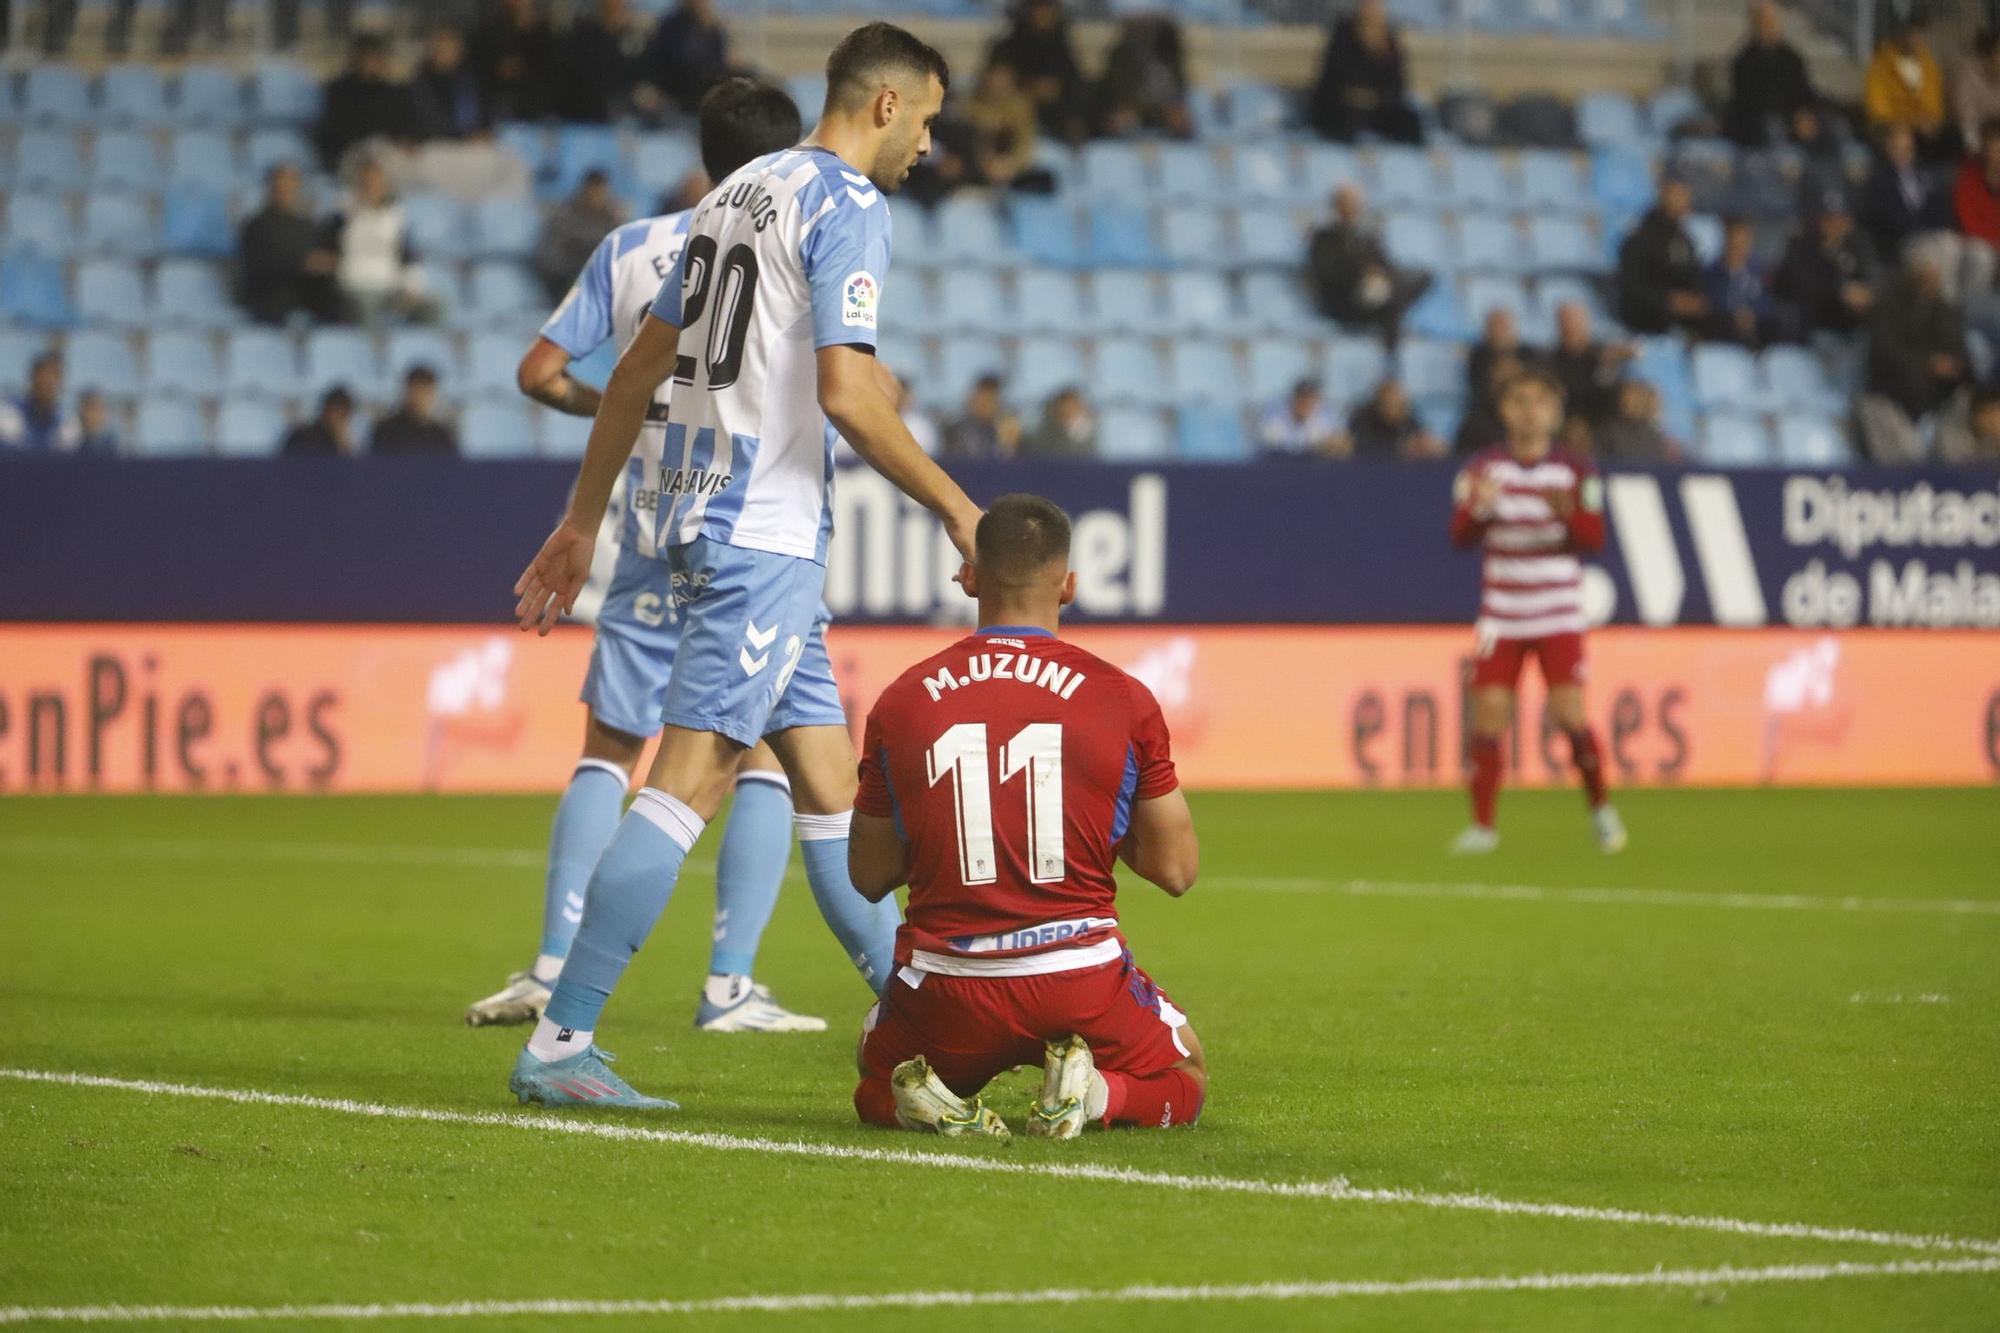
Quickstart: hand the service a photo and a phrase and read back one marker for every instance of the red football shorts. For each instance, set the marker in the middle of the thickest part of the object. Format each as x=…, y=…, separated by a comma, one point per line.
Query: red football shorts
x=973, y=1028
x=1561, y=656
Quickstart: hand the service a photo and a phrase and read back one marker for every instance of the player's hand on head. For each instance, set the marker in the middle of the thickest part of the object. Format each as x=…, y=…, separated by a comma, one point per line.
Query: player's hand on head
x=963, y=527
x=548, y=587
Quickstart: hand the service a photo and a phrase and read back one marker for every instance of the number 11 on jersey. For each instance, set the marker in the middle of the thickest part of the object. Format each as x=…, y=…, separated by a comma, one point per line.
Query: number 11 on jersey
x=1036, y=753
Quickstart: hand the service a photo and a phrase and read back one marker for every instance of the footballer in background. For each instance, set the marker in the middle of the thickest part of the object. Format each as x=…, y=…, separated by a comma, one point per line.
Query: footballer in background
x=1534, y=511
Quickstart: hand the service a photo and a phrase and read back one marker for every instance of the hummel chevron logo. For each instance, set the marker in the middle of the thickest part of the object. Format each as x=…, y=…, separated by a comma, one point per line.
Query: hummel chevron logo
x=854, y=177
x=760, y=638
x=865, y=198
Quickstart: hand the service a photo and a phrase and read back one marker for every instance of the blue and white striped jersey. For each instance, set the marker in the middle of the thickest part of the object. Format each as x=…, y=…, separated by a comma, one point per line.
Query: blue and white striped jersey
x=610, y=298
x=785, y=257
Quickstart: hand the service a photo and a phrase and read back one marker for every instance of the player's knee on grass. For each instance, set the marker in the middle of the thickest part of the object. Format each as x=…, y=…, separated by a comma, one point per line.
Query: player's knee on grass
x=1566, y=707
x=1196, y=1064
x=611, y=745
x=1492, y=710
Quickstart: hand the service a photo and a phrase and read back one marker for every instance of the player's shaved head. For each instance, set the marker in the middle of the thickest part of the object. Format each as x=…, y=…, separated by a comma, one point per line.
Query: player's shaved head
x=1022, y=540
x=743, y=118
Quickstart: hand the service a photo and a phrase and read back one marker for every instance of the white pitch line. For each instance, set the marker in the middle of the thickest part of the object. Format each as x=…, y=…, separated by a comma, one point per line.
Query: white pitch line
x=1534, y=893
x=346, y=853
x=1336, y=1190
x=928, y=1300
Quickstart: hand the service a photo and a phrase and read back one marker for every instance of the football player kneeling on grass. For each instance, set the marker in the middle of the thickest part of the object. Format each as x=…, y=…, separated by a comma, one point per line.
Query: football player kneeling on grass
x=1003, y=779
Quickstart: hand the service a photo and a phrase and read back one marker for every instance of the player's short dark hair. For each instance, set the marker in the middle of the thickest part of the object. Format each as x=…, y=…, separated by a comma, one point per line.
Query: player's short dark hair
x=336, y=399
x=420, y=373
x=1019, y=536
x=742, y=119
x=1535, y=375
x=871, y=55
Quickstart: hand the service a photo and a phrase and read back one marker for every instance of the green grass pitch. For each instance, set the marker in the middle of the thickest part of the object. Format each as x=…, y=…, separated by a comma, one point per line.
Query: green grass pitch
x=1704, y=1028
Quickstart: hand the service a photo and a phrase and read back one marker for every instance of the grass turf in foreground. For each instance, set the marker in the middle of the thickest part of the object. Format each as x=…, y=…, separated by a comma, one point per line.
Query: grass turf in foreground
x=1827, y=1066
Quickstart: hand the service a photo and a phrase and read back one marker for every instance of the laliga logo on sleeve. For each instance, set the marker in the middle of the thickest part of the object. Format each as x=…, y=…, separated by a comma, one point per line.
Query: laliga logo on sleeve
x=857, y=306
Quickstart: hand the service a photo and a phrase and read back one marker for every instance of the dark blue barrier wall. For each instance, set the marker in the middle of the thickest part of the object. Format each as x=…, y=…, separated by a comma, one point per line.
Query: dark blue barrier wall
x=442, y=541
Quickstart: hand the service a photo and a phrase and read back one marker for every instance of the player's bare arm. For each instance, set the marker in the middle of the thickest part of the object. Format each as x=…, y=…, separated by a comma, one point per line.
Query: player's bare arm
x=1161, y=846
x=549, y=586
x=878, y=860
x=543, y=375
x=852, y=396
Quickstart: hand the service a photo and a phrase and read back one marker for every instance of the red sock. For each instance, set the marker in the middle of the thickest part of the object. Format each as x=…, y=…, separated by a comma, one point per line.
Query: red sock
x=876, y=1103
x=1589, y=764
x=1170, y=1097
x=1485, y=779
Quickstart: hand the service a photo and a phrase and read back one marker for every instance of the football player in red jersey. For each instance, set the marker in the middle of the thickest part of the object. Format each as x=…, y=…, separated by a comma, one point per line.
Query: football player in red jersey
x=1534, y=510
x=1003, y=779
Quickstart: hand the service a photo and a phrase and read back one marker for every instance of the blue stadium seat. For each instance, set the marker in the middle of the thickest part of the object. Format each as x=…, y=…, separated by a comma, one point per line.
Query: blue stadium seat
x=39, y=223
x=1736, y=441
x=1662, y=361
x=1210, y=433
x=1257, y=110
x=505, y=228
x=1725, y=379
x=1431, y=369
x=1047, y=301
x=405, y=348
x=1670, y=109
x=1187, y=173
x=1491, y=15
x=1490, y=243
x=1199, y=302
x=1419, y=13
x=259, y=363
x=281, y=90
x=54, y=94
x=918, y=309
x=1191, y=236
x=1623, y=18
x=1480, y=179
x=1440, y=313
x=490, y=362
x=1264, y=173
x=1609, y=120
x=124, y=160
x=202, y=158
x=1113, y=168
x=1764, y=188
x=191, y=293
x=1274, y=302
x=18, y=347
x=1812, y=441
x=559, y=435
x=1275, y=365
x=439, y=227
x=961, y=361
x=1352, y=369
x=1269, y=236
x=1133, y=435
x=1124, y=301
x=1558, y=244
x=110, y=292
x=912, y=362
x=270, y=146
x=530, y=142
x=500, y=429
x=132, y=94
x=1622, y=181
x=1325, y=167
x=344, y=357
x=1204, y=370
x=169, y=428
x=1555, y=290
x=501, y=289
x=1488, y=293
x=969, y=300
x=661, y=160
x=1121, y=234
x=1041, y=367
x=1129, y=371
x=581, y=149
x=809, y=91
x=1419, y=240
x=208, y=95
x=1406, y=177
x=9, y=104
x=967, y=229
x=119, y=224
x=45, y=159
x=1210, y=111
x=182, y=363
x=32, y=291
x=1796, y=381
x=245, y=428
x=1547, y=15
x=102, y=360
x=1549, y=180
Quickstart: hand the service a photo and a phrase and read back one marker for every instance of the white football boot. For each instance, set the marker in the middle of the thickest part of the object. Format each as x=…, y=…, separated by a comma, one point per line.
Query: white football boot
x=521, y=1000
x=1477, y=840
x=1610, y=829
x=754, y=1011
x=1073, y=1092
x=926, y=1104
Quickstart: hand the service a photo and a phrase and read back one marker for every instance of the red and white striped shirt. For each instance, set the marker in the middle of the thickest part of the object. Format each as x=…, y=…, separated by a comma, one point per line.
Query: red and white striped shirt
x=1532, y=583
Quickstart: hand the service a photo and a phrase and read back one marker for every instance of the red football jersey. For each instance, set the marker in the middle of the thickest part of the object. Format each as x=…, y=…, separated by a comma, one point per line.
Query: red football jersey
x=1532, y=582
x=1010, y=762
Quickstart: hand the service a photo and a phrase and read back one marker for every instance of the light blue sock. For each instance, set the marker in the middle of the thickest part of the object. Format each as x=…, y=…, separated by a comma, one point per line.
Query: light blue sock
x=756, y=846
x=628, y=891
x=586, y=817
x=866, y=930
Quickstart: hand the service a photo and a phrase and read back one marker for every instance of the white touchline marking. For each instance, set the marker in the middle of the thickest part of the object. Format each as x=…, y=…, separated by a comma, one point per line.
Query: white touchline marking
x=1533, y=893
x=1336, y=1189
x=925, y=1300
x=178, y=849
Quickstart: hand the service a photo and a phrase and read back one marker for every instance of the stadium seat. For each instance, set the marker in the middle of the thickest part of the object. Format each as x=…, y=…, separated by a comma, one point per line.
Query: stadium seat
x=1124, y=301
x=1431, y=369
x=1269, y=236
x=1488, y=293
x=1490, y=243
x=661, y=160
x=497, y=430
x=961, y=361
x=1554, y=290
x=1263, y=173
x=1041, y=367
x=132, y=94
x=1121, y=234
x=917, y=306
x=1275, y=365
x=1480, y=179
x=1419, y=240
x=1204, y=370
x=1187, y=173
x=1191, y=236
x=1621, y=181
x=343, y=357
x=500, y=289
x=1132, y=435
x=1558, y=244
x=1736, y=441
x=1210, y=433
x=110, y=292
x=191, y=293
x=1797, y=381
x=245, y=428
x=260, y=363
x=1705, y=230
x=1406, y=177
x=1546, y=15
x=969, y=300
x=1113, y=169
x=55, y=94
x=1326, y=167
x=124, y=160
x=45, y=159
x=490, y=362
x=1549, y=181
x=182, y=363
x=39, y=224
x=1725, y=379
x=439, y=227
x=1670, y=109
x=404, y=348
x=208, y=95
x=1129, y=371
x=581, y=149
x=505, y=228
x=1047, y=301
x=1812, y=441
x=169, y=428
x=1440, y=313
x=18, y=347
x=1274, y=302
x=967, y=229
x=1469, y=116
x=1199, y=302
x=201, y=158
x=560, y=435
x=119, y=224
x=269, y=146
x=1623, y=18
x=1490, y=15
x=1257, y=110
x=1536, y=120
x=102, y=360
x=283, y=91
x=32, y=291
x=1662, y=362
x=1609, y=120
x=1352, y=369
x=530, y=143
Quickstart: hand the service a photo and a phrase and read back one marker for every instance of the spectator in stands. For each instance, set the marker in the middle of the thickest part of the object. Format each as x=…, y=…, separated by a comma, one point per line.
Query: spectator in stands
x=285, y=262
x=364, y=101
x=413, y=428
x=687, y=54
x=1739, y=289
x=1659, y=275
x=599, y=66
x=1825, y=280
x=1350, y=273
x=1902, y=197
x=378, y=270
x=1363, y=81
x=1387, y=426
x=1301, y=424
x=330, y=433
x=1499, y=340
x=450, y=102
x=1768, y=82
x=37, y=422
x=513, y=54
x=1481, y=426
x=1904, y=88
x=985, y=428
x=1587, y=369
x=1037, y=46
x=1975, y=88
x=1633, y=434
x=1974, y=438
x=1917, y=362
x=572, y=230
x=1001, y=119
x=1145, y=80
x=93, y=416
x=1068, y=428
x=1976, y=198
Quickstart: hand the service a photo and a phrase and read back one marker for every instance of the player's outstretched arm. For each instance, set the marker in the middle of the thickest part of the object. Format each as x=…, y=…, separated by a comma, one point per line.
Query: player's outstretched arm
x=543, y=375
x=852, y=396
x=1160, y=845
x=878, y=860
x=548, y=587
